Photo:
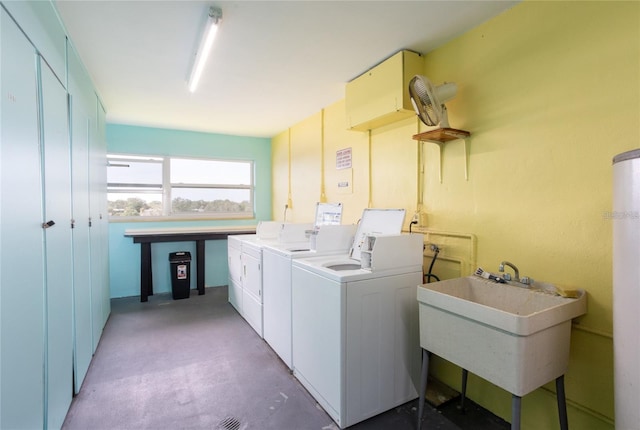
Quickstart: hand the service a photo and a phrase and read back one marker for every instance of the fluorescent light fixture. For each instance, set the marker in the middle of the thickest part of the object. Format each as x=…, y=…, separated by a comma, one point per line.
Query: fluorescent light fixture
x=215, y=15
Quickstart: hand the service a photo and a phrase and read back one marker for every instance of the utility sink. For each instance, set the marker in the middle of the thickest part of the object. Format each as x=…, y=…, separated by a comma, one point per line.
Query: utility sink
x=515, y=337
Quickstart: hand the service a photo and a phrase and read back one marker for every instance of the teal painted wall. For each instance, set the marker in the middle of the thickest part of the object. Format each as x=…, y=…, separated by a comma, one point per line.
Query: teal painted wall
x=124, y=255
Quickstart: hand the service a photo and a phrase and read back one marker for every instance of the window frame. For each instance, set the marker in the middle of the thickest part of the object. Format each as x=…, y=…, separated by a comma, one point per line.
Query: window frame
x=165, y=190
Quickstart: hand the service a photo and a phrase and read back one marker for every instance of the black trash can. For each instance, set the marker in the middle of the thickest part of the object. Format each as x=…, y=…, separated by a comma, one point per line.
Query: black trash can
x=180, y=263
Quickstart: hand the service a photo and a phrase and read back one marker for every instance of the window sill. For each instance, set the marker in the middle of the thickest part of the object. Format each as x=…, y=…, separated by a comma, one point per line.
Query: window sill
x=181, y=218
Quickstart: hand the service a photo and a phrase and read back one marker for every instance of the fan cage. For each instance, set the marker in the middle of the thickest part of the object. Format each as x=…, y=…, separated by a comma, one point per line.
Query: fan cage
x=424, y=101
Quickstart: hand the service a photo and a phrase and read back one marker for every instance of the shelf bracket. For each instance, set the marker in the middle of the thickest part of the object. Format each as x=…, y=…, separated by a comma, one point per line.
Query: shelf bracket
x=466, y=159
x=440, y=136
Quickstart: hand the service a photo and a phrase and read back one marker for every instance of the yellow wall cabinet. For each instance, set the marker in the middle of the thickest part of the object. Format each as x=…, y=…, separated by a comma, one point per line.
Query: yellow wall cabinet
x=380, y=96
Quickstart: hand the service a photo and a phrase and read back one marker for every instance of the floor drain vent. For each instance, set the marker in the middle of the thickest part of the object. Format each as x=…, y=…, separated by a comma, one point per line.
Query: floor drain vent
x=229, y=423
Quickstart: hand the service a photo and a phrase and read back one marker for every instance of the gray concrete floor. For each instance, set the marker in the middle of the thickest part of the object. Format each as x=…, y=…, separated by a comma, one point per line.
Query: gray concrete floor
x=195, y=363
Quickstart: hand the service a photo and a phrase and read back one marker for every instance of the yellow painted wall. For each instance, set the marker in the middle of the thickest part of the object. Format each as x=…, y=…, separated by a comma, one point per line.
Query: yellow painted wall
x=337, y=137
x=550, y=92
x=307, y=148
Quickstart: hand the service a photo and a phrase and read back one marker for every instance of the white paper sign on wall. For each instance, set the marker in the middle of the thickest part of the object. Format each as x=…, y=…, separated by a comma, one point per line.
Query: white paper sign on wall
x=343, y=158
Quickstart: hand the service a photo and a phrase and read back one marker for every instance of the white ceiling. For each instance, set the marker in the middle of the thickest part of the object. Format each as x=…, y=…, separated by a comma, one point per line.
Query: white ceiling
x=273, y=64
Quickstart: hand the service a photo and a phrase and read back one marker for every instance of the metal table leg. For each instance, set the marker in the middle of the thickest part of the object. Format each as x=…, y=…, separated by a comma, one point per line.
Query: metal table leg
x=423, y=385
x=463, y=394
x=146, y=281
x=200, y=266
x=562, y=403
x=516, y=402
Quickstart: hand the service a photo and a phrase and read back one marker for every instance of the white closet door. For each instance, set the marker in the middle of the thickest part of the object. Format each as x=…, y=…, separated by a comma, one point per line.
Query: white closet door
x=82, y=111
x=59, y=262
x=103, y=217
x=100, y=304
x=21, y=257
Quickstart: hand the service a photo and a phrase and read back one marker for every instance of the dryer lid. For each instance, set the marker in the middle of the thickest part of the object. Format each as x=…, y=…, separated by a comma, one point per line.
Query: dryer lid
x=328, y=214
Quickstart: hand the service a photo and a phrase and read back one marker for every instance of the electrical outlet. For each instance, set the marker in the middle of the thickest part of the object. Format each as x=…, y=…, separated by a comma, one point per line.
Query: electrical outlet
x=419, y=218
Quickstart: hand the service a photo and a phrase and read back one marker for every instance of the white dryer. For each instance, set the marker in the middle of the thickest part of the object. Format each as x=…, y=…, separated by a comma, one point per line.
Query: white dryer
x=355, y=322
x=245, y=290
x=266, y=231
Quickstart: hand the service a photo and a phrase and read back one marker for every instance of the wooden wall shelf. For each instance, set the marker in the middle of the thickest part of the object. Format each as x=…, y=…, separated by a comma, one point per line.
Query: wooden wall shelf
x=440, y=136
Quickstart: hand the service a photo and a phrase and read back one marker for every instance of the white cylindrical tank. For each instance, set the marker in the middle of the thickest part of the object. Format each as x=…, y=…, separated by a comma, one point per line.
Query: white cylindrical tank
x=626, y=287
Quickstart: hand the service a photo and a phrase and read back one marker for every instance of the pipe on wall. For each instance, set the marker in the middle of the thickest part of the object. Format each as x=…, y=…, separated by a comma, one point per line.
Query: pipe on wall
x=420, y=176
x=289, y=200
x=370, y=203
x=323, y=196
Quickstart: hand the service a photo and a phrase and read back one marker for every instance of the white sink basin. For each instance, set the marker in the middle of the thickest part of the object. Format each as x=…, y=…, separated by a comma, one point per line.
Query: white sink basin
x=517, y=338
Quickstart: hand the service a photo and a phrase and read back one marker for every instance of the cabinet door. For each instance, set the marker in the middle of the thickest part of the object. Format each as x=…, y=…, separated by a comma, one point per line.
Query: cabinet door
x=39, y=20
x=82, y=112
x=234, y=255
x=252, y=275
x=235, y=263
x=59, y=264
x=380, y=96
x=235, y=295
x=252, y=291
x=100, y=154
x=97, y=232
x=21, y=255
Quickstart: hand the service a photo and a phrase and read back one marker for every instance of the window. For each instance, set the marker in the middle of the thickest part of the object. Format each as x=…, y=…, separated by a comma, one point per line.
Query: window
x=151, y=186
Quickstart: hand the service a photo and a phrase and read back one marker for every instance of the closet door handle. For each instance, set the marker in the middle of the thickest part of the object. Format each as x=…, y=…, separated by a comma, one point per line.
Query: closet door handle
x=48, y=224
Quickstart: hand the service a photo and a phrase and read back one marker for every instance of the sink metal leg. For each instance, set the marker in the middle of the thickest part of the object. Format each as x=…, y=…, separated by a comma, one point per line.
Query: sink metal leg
x=463, y=394
x=562, y=403
x=423, y=385
x=516, y=402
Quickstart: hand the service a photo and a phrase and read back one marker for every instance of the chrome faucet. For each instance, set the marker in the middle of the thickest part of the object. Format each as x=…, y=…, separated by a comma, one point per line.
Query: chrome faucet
x=507, y=276
x=516, y=273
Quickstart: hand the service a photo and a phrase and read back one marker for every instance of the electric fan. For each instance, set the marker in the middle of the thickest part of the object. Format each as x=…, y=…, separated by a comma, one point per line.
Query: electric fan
x=428, y=100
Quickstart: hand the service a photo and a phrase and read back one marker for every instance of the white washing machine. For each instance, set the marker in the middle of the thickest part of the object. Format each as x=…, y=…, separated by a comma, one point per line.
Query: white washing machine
x=276, y=281
x=355, y=323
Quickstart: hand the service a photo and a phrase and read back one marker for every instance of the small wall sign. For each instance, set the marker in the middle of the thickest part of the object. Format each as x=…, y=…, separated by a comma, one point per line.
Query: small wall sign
x=344, y=181
x=343, y=158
